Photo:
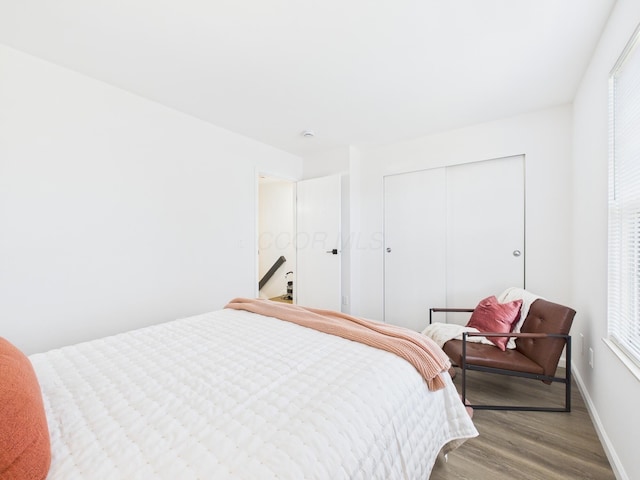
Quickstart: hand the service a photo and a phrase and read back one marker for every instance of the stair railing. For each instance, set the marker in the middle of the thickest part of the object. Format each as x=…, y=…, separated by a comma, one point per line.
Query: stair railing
x=267, y=276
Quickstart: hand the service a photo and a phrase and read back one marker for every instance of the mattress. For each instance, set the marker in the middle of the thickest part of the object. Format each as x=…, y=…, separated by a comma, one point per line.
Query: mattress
x=237, y=395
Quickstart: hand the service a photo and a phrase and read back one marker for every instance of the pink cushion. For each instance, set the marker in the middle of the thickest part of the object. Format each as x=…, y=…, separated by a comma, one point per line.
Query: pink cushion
x=25, y=452
x=491, y=316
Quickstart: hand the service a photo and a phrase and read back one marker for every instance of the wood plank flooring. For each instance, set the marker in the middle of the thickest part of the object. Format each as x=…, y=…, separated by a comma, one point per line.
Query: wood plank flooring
x=525, y=445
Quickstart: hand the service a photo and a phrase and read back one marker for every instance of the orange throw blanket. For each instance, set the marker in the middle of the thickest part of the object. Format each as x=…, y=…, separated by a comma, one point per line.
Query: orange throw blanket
x=419, y=350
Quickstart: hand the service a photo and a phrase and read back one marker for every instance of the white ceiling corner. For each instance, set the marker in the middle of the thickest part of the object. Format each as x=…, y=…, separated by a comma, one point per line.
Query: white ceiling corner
x=355, y=72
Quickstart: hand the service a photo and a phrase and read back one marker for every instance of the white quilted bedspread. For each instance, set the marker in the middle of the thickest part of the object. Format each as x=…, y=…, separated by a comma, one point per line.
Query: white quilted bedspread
x=235, y=395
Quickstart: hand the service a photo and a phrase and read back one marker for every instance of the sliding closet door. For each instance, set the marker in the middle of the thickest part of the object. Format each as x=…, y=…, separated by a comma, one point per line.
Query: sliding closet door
x=453, y=236
x=414, y=261
x=485, y=229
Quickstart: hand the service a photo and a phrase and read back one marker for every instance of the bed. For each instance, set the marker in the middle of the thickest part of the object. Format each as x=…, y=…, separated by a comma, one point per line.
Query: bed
x=233, y=394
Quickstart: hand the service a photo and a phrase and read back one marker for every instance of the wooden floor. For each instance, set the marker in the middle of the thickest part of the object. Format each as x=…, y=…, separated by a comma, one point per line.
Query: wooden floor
x=525, y=445
x=281, y=299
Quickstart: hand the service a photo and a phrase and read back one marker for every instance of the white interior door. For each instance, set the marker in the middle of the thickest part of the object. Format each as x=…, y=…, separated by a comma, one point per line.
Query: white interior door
x=414, y=244
x=450, y=238
x=318, y=243
x=485, y=230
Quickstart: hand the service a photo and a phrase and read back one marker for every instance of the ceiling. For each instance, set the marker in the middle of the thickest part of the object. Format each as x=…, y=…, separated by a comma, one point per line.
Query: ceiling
x=356, y=72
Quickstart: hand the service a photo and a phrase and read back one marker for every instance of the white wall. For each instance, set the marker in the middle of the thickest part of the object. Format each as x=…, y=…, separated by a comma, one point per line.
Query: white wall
x=544, y=138
x=116, y=212
x=325, y=163
x=612, y=391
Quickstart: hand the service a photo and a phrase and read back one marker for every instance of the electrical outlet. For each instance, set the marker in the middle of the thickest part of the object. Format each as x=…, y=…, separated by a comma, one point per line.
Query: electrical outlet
x=591, y=357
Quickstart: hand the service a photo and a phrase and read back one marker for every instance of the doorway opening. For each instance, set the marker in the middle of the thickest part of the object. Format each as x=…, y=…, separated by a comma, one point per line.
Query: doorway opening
x=276, y=239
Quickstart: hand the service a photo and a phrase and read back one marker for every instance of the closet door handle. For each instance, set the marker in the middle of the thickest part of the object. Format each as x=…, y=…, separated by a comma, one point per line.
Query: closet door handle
x=333, y=252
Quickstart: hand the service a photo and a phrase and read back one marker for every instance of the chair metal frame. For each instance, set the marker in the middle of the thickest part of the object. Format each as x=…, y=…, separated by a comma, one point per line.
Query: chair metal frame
x=566, y=380
x=513, y=373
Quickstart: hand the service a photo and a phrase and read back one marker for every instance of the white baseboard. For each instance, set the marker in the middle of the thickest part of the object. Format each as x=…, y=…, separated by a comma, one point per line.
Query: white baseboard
x=616, y=465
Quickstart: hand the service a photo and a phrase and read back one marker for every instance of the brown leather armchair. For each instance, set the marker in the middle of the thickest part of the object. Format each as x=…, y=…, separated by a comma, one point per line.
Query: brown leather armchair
x=543, y=336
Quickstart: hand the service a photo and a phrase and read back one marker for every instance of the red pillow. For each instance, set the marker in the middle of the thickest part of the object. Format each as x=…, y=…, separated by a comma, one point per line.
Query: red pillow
x=491, y=316
x=25, y=451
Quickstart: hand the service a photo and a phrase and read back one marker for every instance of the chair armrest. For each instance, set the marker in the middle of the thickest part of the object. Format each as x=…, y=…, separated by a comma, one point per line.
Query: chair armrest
x=453, y=310
x=513, y=334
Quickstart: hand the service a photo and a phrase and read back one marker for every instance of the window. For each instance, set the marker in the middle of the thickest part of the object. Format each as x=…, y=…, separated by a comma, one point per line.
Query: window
x=624, y=202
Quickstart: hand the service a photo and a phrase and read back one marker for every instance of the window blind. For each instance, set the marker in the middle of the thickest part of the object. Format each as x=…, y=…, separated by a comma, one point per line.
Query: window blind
x=624, y=201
